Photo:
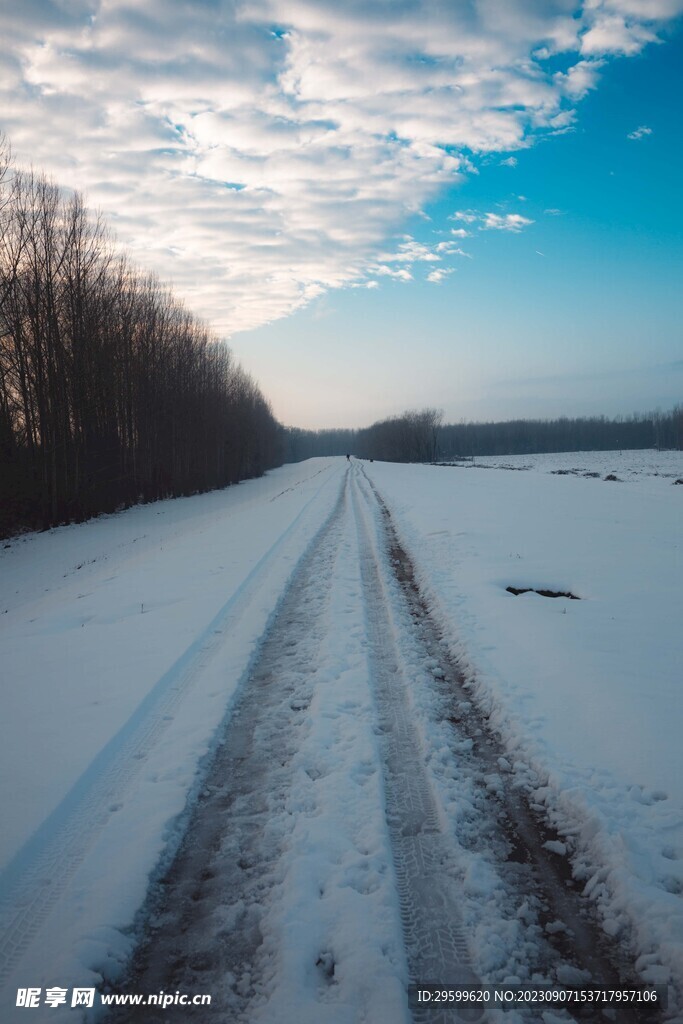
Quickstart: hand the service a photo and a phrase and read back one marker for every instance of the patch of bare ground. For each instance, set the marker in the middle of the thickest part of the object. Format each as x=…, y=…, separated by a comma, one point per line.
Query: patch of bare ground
x=542, y=593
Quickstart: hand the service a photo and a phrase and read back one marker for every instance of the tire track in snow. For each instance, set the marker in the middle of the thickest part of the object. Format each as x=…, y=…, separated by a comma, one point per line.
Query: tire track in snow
x=37, y=877
x=202, y=926
x=436, y=944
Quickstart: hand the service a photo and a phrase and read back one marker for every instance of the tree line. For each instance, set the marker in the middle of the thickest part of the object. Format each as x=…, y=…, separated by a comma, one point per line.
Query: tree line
x=565, y=434
x=300, y=444
x=111, y=392
x=422, y=437
x=411, y=437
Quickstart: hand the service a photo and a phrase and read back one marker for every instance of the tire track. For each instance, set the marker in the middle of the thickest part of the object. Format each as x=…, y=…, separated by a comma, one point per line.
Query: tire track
x=436, y=944
x=229, y=865
x=201, y=926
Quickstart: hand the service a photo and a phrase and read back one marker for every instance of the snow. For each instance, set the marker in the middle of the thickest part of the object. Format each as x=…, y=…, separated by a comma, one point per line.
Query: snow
x=125, y=642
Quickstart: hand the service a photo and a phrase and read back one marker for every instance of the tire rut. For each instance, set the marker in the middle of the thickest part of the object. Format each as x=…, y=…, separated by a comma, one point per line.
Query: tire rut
x=200, y=928
x=436, y=944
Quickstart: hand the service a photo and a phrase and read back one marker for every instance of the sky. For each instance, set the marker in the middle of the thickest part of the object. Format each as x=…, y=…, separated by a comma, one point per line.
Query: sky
x=467, y=204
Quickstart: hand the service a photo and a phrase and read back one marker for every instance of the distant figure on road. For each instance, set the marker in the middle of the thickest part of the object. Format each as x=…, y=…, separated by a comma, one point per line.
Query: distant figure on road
x=348, y=458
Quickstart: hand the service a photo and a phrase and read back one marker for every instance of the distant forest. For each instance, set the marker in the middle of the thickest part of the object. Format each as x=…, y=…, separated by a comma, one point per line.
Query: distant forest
x=422, y=437
x=111, y=392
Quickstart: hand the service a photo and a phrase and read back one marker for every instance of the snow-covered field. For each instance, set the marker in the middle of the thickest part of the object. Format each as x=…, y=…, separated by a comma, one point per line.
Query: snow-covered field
x=125, y=642
x=589, y=692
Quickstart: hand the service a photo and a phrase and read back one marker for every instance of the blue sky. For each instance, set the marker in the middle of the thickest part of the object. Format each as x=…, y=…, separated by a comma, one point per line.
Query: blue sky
x=471, y=204
x=593, y=325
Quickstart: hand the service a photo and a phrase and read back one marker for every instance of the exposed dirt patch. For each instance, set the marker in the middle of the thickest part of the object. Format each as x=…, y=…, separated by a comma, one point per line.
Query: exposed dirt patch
x=471, y=464
x=542, y=593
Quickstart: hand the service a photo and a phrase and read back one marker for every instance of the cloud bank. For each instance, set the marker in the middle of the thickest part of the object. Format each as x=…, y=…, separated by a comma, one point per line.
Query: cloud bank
x=257, y=153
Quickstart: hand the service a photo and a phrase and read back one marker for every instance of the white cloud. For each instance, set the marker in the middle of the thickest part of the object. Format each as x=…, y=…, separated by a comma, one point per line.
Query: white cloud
x=612, y=33
x=451, y=249
x=511, y=161
x=460, y=233
x=257, y=153
x=410, y=251
x=466, y=216
x=505, y=222
x=579, y=79
x=493, y=221
x=437, y=276
x=402, y=274
x=639, y=133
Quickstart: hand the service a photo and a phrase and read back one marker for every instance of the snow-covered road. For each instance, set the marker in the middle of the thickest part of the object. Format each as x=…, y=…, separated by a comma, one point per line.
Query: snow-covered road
x=316, y=812
x=306, y=765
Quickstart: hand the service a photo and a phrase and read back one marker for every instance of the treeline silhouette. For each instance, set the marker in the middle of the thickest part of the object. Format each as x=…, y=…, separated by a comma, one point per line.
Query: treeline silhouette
x=566, y=434
x=111, y=392
x=300, y=444
x=411, y=437
x=421, y=437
